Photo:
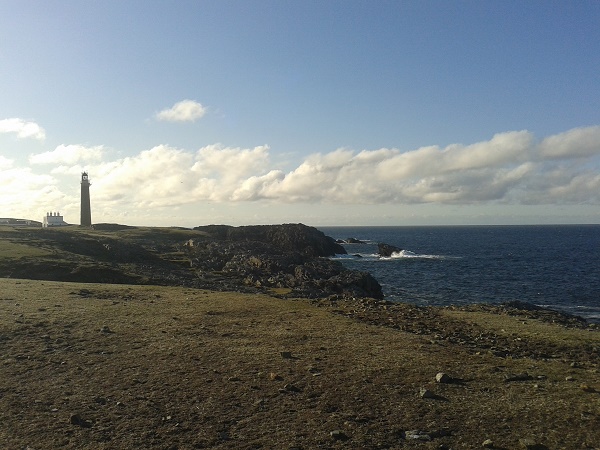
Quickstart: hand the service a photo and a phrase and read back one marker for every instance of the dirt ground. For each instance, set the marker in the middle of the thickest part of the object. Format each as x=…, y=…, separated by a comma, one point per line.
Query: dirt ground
x=95, y=366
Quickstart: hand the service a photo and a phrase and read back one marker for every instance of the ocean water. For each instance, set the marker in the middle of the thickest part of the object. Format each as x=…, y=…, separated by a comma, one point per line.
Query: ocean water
x=555, y=266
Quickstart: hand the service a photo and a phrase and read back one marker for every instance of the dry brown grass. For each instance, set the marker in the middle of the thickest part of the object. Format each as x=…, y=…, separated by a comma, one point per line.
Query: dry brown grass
x=174, y=368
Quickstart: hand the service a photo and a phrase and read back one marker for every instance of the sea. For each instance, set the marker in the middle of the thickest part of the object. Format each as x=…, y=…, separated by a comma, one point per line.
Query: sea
x=553, y=266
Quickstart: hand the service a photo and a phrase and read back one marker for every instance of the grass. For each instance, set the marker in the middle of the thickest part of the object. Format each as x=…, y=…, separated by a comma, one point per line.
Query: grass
x=166, y=367
x=532, y=330
x=12, y=250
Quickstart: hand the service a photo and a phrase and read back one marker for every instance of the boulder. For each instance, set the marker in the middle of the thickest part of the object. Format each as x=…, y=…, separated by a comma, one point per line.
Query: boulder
x=442, y=377
x=386, y=250
x=353, y=241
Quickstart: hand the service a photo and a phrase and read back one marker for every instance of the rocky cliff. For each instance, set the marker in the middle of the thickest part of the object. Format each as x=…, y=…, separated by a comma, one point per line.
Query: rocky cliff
x=290, y=259
x=288, y=256
x=299, y=238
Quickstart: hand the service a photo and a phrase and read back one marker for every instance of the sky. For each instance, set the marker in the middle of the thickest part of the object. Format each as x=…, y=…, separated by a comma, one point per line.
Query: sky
x=187, y=113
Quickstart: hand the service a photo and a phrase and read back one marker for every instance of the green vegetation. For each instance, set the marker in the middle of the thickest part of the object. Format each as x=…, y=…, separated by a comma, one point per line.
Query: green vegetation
x=101, y=366
x=12, y=250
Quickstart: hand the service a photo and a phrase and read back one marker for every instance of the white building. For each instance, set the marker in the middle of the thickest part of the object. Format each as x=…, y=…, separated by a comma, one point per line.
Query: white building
x=53, y=219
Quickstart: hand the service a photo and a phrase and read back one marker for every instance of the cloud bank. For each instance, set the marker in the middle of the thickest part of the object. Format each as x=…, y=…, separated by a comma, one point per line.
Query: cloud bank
x=183, y=111
x=22, y=129
x=511, y=168
x=68, y=154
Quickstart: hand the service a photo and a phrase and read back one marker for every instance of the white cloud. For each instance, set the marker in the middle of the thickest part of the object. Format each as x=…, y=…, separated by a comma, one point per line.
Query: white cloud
x=578, y=142
x=22, y=129
x=230, y=163
x=68, y=154
x=183, y=111
x=508, y=169
x=159, y=176
x=5, y=163
x=22, y=191
x=503, y=148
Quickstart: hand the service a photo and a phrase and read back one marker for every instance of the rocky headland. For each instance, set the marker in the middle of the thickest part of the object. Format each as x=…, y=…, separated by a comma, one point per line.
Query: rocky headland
x=290, y=259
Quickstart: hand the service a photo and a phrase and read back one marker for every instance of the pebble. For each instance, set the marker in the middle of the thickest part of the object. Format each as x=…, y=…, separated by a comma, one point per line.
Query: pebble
x=488, y=443
x=426, y=393
x=76, y=419
x=417, y=435
x=530, y=444
x=518, y=377
x=443, y=378
x=339, y=435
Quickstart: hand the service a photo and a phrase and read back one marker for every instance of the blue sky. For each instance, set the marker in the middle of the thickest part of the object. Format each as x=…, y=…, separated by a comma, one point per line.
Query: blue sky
x=329, y=113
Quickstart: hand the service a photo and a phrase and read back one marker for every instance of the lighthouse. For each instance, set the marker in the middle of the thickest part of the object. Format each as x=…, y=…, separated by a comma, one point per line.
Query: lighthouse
x=86, y=210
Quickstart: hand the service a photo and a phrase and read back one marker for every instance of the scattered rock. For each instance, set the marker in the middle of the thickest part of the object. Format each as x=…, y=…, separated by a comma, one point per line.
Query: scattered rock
x=443, y=378
x=417, y=435
x=315, y=372
x=426, y=393
x=386, y=250
x=105, y=329
x=570, y=378
x=353, y=241
x=286, y=355
x=518, y=377
x=488, y=443
x=100, y=400
x=291, y=388
x=77, y=420
x=530, y=444
x=339, y=435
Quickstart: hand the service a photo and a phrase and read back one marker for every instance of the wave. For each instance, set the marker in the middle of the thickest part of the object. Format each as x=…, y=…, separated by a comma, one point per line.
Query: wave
x=403, y=254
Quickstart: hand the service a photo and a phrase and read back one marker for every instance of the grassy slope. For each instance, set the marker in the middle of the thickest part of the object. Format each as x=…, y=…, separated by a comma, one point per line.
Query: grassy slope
x=158, y=367
x=73, y=253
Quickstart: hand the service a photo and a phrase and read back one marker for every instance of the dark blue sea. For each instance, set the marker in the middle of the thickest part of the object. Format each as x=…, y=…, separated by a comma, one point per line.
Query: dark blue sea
x=555, y=266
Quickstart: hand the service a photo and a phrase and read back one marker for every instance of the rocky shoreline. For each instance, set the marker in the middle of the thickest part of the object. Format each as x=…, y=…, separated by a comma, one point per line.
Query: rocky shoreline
x=288, y=259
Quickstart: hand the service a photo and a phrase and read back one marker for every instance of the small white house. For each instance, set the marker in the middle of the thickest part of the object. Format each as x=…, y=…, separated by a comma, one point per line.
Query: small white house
x=53, y=219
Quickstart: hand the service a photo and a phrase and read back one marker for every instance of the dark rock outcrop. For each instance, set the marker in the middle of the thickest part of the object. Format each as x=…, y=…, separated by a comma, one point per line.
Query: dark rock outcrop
x=386, y=250
x=353, y=241
x=280, y=256
x=288, y=237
